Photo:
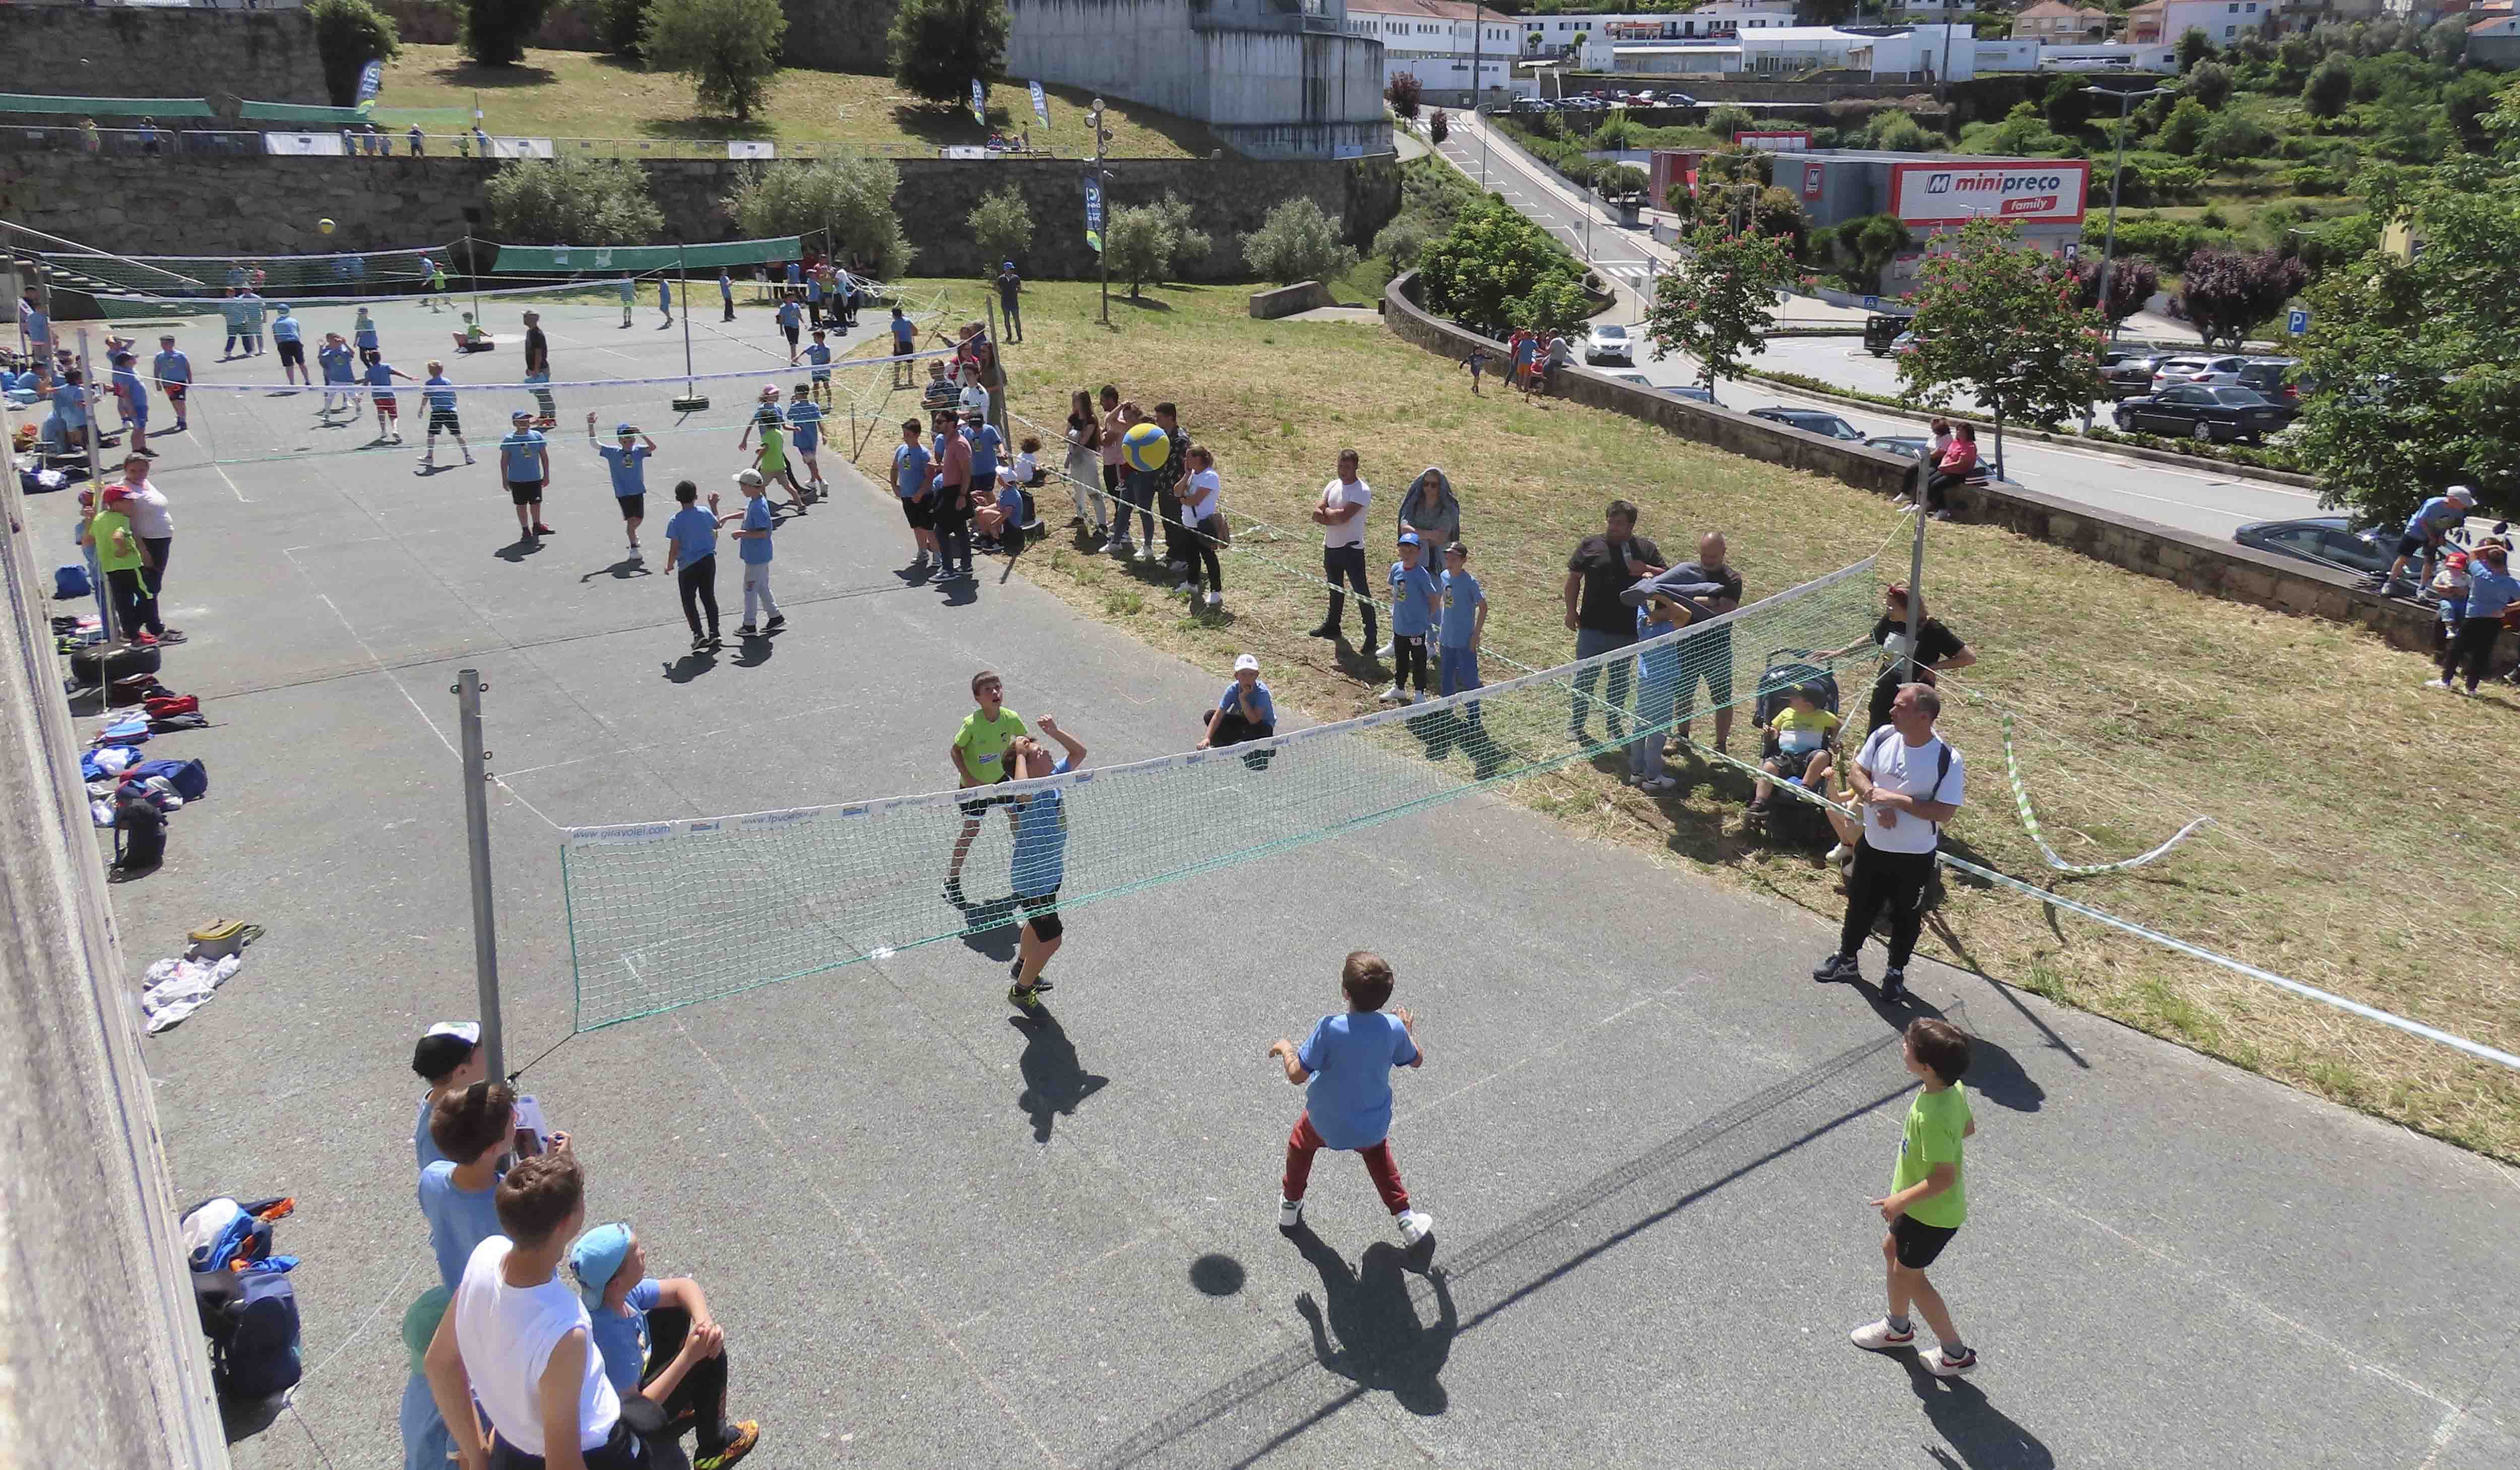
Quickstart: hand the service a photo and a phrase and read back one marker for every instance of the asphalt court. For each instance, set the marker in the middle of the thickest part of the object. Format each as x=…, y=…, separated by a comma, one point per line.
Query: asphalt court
x=942, y=1235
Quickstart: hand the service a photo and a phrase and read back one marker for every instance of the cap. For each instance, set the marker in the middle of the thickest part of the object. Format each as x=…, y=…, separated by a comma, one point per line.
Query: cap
x=165, y=337
x=596, y=1259
x=749, y=478
x=279, y=306
x=1410, y=537
x=1250, y=661
x=770, y=390
x=2461, y=492
x=115, y=493
x=1005, y=265
x=419, y=1324
x=1458, y=546
x=624, y=430
x=444, y=1047
x=1899, y=590
x=519, y=414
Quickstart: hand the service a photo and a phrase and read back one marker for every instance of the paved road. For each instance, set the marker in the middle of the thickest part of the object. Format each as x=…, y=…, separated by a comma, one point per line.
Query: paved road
x=2206, y=500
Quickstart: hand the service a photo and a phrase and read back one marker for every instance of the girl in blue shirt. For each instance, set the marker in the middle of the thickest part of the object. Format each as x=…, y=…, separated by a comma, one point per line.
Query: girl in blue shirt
x=2491, y=590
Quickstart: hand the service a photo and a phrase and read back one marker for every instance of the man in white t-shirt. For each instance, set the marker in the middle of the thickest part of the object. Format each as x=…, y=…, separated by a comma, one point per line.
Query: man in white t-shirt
x=517, y=1338
x=1340, y=514
x=1910, y=783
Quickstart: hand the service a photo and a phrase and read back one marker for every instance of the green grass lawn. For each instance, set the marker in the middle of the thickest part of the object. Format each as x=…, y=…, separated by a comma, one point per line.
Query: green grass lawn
x=2350, y=851
x=579, y=94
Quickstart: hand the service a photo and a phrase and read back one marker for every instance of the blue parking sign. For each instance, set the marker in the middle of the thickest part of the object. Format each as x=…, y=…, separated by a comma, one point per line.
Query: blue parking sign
x=2297, y=321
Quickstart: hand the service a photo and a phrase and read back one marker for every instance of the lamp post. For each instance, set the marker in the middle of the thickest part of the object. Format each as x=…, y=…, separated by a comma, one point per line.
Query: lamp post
x=1102, y=183
x=2117, y=174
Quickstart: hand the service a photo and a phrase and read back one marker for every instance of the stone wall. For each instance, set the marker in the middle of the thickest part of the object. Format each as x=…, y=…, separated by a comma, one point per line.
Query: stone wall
x=833, y=35
x=268, y=56
x=1287, y=300
x=210, y=205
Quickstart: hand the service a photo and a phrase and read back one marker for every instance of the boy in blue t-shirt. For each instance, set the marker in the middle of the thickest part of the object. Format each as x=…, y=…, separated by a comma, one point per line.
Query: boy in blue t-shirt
x=174, y=374
x=1040, y=862
x=726, y=294
x=525, y=463
x=363, y=334
x=440, y=394
x=657, y=1340
x=629, y=298
x=905, y=340
x=288, y=336
x=1414, y=597
x=1464, y=623
x=133, y=400
x=752, y=549
x=665, y=300
x=379, y=378
x=790, y=319
x=340, y=376
x=911, y=462
x=459, y=1193
x=691, y=543
x=820, y=355
x=1346, y=1066
x=805, y=431
x=625, y=462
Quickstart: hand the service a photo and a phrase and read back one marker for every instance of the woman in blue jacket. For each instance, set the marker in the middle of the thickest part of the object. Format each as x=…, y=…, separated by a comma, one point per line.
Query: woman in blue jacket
x=2491, y=589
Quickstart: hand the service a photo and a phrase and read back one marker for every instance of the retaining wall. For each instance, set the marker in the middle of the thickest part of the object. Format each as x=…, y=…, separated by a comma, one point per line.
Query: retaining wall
x=117, y=51
x=1287, y=300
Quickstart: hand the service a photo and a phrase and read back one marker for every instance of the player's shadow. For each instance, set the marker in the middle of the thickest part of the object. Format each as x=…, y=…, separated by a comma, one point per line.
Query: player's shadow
x=991, y=928
x=1054, y=1080
x=917, y=574
x=1981, y=1435
x=690, y=666
x=520, y=549
x=752, y=653
x=620, y=571
x=960, y=592
x=1366, y=1328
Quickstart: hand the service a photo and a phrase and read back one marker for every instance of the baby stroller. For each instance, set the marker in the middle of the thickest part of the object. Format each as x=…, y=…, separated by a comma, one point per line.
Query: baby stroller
x=1792, y=823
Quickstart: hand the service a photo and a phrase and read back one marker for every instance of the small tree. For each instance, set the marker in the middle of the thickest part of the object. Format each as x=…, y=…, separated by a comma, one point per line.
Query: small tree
x=1146, y=243
x=1189, y=243
x=2184, y=130
x=2068, y=108
x=938, y=48
x=1001, y=226
x=1403, y=240
x=728, y=49
x=1718, y=306
x=2193, y=47
x=1439, y=127
x=494, y=32
x=1554, y=303
x=2224, y=293
x=2000, y=322
x=1490, y=259
x=617, y=24
x=2210, y=83
x=1621, y=181
x=348, y=35
x=2330, y=88
x=853, y=199
x=2132, y=281
x=573, y=202
x=1297, y=242
x=1726, y=122
x=2233, y=136
x=1403, y=94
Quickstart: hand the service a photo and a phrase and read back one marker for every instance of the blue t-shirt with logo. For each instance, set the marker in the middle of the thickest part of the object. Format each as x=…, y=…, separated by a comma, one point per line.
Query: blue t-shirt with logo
x=336, y=363
x=381, y=377
x=172, y=367
x=805, y=422
x=362, y=335
x=628, y=478
x=904, y=333
x=1351, y=1057
x=1231, y=702
x=694, y=533
x=520, y=456
x=458, y=1218
x=1462, y=600
x=910, y=470
x=820, y=355
x=755, y=550
x=284, y=328
x=621, y=1337
x=1413, y=600
x=1040, y=862
x=127, y=384
x=985, y=442
x=788, y=315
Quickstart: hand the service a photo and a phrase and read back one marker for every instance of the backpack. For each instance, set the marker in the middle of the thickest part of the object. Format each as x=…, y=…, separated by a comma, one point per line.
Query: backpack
x=190, y=778
x=247, y=1305
x=72, y=581
x=139, y=835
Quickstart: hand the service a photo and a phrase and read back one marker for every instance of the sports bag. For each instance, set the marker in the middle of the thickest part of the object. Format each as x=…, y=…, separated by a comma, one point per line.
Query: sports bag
x=72, y=581
x=190, y=778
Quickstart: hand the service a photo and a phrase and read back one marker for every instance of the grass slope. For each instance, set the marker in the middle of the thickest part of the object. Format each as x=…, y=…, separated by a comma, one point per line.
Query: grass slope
x=2367, y=833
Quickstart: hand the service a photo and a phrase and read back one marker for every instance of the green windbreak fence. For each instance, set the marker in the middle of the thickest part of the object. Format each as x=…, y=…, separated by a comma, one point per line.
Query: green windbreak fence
x=554, y=260
x=159, y=107
x=300, y=112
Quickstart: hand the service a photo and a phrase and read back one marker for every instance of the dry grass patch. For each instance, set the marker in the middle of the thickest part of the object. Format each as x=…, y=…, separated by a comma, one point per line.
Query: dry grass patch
x=2367, y=833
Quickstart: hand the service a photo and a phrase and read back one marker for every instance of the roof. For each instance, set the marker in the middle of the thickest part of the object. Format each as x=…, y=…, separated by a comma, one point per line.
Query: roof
x=1430, y=10
x=2050, y=9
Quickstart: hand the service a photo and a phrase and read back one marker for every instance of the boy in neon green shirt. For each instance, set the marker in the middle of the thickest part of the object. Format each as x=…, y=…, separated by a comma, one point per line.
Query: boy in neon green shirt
x=1928, y=1199
x=979, y=752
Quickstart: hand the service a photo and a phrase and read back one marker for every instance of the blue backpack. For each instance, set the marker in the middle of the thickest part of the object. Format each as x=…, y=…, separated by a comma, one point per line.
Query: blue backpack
x=190, y=778
x=69, y=581
x=248, y=1307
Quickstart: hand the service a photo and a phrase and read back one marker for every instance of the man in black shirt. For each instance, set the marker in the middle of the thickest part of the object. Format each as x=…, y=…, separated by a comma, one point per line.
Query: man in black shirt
x=1011, y=300
x=538, y=371
x=1602, y=567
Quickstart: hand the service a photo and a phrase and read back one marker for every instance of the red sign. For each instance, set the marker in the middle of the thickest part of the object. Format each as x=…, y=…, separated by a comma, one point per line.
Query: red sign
x=2025, y=191
x=1812, y=174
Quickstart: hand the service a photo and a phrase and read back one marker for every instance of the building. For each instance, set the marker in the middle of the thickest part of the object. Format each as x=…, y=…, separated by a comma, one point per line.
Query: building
x=1554, y=35
x=1933, y=194
x=1440, y=42
x=2053, y=23
x=2161, y=22
x=1885, y=53
x=1271, y=78
x=2494, y=43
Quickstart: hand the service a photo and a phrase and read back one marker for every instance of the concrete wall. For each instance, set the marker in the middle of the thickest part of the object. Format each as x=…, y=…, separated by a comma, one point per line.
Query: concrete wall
x=101, y=1354
x=268, y=56
x=833, y=35
x=208, y=206
x=1287, y=300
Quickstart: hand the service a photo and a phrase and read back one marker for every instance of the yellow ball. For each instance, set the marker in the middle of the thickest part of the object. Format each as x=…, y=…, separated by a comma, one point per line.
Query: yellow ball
x=323, y=225
x=1146, y=447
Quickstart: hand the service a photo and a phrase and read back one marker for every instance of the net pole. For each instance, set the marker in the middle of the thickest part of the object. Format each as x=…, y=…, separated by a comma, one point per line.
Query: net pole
x=476, y=776
x=106, y=616
x=1916, y=584
x=690, y=402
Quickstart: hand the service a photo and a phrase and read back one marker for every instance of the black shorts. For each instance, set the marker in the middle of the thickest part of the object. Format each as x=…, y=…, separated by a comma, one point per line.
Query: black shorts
x=293, y=354
x=633, y=506
x=791, y=334
x=978, y=807
x=444, y=420
x=1917, y=1243
x=2411, y=544
x=525, y=492
x=1039, y=914
x=174, y=392
x=919, y=512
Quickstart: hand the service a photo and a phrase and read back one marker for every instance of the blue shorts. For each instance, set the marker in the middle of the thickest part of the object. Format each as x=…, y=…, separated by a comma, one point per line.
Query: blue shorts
x=806, y=440
x=1455, y=669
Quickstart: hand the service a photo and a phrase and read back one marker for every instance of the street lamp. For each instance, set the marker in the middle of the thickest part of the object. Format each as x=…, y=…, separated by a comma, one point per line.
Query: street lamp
x=2109, y=242
x=1103, y=190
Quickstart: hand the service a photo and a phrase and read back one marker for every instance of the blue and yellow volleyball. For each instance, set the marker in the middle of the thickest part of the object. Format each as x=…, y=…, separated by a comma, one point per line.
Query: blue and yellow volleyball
x=1145, y=446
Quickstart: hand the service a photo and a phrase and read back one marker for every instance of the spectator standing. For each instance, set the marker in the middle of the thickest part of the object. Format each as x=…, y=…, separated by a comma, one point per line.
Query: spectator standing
x=1084, y=466
x=905, y=340
x=1415, y=597
x=952, y=456
x=1203, y=515
x=1179, y=542
x=133, y=400
x=153, y=522
x=173, y=372
x=538, y=371
x=1113, y=424
x=2492, y=591
x=910, y=481
x=1011, y=299
x=1463, y=625
x=1602, y=568
x=1909, y=782
x=1938, y=650
x=251, y=319
x=126, y=561
x=418, y=141
x=457, y=1191
x=448, y=1056
x=1431, y=510
x=35, y=325
x=725, y=295
x=1340, y=514
x=1709, y=658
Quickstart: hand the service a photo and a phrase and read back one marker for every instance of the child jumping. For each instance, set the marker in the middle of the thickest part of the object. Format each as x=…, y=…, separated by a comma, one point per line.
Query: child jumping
x=1345, y=1066
x=1927, y=1199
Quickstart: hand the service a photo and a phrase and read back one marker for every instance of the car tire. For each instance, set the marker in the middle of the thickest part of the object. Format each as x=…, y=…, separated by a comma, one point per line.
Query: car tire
x=2204, y=430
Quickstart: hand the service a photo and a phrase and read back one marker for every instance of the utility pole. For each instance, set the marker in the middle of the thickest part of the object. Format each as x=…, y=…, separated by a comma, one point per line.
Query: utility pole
x=2117, y=175
x=1478, y=48
x=1102, y=208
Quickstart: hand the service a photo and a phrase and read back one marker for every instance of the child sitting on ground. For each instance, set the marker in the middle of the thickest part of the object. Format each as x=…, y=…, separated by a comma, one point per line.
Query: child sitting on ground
x=1803, y=730
x=659, y=1343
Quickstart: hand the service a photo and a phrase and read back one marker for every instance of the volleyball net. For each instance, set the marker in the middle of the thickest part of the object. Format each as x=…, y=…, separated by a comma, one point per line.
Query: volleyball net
x=666, y=914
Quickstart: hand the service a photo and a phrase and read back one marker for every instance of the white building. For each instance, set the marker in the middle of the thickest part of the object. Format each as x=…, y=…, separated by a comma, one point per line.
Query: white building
x=2161, y=22
x=1442, y=43
x=1551, y=35
x=1886, y=53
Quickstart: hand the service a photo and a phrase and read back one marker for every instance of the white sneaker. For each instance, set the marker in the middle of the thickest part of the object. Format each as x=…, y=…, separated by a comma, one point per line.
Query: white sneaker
x=1149, y=554
x=1385, y=652
x=1290, y=1214
x=425, y=463
x=2441, y=684
x=1390, y=696
x=1185, y=587
x=1215, y=599
x=1840, y=853
x=1416, y=1226
x=1944, y=1365
x=1878, y=1337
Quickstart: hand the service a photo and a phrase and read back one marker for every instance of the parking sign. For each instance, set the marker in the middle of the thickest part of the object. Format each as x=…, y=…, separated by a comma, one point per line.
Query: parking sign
x=2297, y=321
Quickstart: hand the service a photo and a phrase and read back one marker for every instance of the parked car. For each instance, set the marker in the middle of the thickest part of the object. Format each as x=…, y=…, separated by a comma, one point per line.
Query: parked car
x=1880, y=330
x=2332, y=541
x=1639, y=378
x=2217, y=415
x=2124, y=374
x=1914, y=446
x=1699, y=391
x=1608, y=342
x=2212, y=372
x=1810, y=420
x=2277, y=379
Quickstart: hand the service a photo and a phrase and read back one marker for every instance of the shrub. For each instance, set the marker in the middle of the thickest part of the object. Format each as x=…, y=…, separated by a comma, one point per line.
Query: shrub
x=1727, y=121
x=2312, y=179
x=2210, y=83
x=1898, y=133
x=2184, y=128
x=2193, y=47
x=494, y=32
x=936, y=48
x=1001, y=226
x=727, y=49
x=1401, y=241
x=852, y=198
x=1297, y=242
x=2163, y=183
x=2234, y=136
x=1403, y=94
x=2330, y=88
x=348, y=35
x=573, y=202
x=617, y=24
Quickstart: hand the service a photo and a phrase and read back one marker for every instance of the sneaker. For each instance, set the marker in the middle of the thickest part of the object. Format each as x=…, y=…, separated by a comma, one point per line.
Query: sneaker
x=1326, y=630
x=427, y=463
x=1758, y=808
x=1941, y=1364
x=1416, y=1226
x=1391, y=695
x=1023, y=996
x=1894, y=985
x=142, y=640
x=954, y=893
x=2441, y=684
x=468, y=457
x=748, y=631
x=1175, y=566
x=1191, y=588
x=397, y=437
x=1215, y=599
x=1840, y=853
x=543, y=530
x=1385, y=651
x=778, y=620
x=734, y=1447
x=699, y=642
x=174, y=636
x=1881, y=1337
x=1836, y=969
x=1659, y=785
x=1290, y=1214
x=1149, y=553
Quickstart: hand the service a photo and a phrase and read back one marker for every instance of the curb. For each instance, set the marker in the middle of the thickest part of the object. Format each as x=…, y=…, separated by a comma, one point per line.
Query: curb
x=2069, y=441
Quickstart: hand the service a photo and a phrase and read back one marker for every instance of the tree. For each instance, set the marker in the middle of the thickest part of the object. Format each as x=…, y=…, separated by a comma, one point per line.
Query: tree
x=2447, y=41
x=617, y=24
x=573, y=202
x=1718, y=306
x=1143, y=242
x=1403, y=240
x=348, y=35
x=2224, y=293
x=852, y=198
x=2193, y=47
x=938, y=48
x=2069, y=108
x=1727, y=121
x=2000, y=322
x=1403, y=94
x=2210, y=83
x=2418, y=361
x=1439, y=127
x=1297, y=242
x=494, y=32
x=1898, y=132
x=2184, y=128
x=2233, y=136
x=1621, y=181
x=2132, y=281
x=1556, y=304
x=728, y=49
x=1482, y=268
x=1001, y=226
x=2330, y=89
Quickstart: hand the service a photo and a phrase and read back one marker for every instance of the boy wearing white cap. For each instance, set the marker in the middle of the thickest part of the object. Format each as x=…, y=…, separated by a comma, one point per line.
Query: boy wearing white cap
x=1244, y=712
x=659, y=1343
x=752, y=549
x=449, y=1058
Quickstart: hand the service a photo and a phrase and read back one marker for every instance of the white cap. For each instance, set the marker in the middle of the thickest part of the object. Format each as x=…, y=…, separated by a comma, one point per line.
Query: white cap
x=1249, y=662
x=2461, y=492
x=749, y=478
x=468, y=1032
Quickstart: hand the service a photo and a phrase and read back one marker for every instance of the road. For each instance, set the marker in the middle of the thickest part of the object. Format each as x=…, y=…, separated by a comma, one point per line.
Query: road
x=2206, y=500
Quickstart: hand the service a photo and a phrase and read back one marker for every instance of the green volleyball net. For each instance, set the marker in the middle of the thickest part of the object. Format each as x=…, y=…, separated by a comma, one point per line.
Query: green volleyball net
x=649, y=927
